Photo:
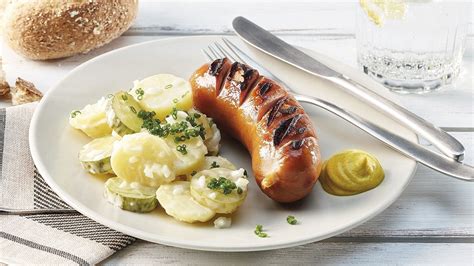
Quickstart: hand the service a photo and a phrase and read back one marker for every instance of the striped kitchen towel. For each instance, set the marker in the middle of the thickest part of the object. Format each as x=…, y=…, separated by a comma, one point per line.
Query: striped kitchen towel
x=36, y=226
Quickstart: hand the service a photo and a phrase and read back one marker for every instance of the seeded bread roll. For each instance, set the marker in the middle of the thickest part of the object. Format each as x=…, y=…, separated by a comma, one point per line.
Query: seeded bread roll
x=49, y=29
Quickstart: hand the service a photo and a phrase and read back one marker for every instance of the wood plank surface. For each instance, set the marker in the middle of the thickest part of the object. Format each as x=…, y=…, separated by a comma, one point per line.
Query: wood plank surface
x=321, y=253
x=433, y=220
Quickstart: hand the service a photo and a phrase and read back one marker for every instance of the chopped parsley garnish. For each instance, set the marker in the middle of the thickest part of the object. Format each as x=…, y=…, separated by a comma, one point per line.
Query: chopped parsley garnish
x=124, y=97
x=239, y=190
x=146, y=115
x=184, y=95
x=178, y=139
x=197, y=115
x=214, y=165
x=181, y=131
x=140, y=92
x=175, y=100
x=133, y=109
x=193, y=173
x=223, y=184
x=291, y=220
x=259, y=231
x=182, y=148
x=75, y=113
x=169, y=86
x=174, y=113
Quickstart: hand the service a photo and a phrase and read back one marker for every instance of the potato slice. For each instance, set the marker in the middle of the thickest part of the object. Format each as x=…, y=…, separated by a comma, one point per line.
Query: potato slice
x=143, y=158
x=218, y=199
x=177, y=201
x=160, y=93
x=92, y=119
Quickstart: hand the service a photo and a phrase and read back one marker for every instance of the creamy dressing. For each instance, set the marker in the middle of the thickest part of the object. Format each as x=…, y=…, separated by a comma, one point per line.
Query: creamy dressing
x=222, y=222
x=242, y=183
x=201, y=183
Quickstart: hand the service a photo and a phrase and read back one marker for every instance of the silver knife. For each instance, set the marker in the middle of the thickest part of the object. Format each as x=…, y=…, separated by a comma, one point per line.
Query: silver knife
x=421, y=154
x=274, y=46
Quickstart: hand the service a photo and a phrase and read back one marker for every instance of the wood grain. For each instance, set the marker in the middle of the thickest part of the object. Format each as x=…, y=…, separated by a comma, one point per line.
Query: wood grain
x=321, y=253
x=433, y=220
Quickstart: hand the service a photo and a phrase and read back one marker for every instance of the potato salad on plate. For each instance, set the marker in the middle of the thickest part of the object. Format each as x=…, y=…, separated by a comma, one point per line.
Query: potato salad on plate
x=156, y=150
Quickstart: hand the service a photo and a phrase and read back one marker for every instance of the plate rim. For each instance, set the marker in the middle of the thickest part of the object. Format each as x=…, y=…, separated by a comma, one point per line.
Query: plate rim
x=182, y=243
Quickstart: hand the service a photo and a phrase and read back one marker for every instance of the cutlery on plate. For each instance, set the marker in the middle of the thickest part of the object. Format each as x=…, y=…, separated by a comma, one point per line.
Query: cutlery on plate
x=274, y=46
x=417, y=152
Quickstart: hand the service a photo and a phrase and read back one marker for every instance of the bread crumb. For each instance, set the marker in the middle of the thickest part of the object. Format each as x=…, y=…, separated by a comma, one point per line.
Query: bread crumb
x=25, y=92
x=4, y=87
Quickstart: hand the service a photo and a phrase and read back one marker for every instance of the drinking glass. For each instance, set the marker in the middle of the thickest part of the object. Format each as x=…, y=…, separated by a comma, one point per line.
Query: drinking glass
x=412, y=46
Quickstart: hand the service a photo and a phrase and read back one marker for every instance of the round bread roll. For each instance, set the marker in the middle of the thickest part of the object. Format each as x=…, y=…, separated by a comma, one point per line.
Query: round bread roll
x=48, y=29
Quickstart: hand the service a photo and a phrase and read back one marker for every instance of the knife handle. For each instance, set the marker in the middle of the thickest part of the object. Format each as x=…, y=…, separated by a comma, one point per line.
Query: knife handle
x=419, y=153
x=436, y=136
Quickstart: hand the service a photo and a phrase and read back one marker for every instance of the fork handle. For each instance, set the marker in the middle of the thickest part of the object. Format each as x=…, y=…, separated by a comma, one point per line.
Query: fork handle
x=419, y=153
x=436, y=136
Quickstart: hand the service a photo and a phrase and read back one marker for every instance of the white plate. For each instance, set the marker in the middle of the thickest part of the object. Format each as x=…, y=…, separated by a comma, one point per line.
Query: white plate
x=54, y=146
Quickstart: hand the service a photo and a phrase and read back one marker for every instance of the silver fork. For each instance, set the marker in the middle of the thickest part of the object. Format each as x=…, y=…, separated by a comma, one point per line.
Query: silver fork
x=424, y=156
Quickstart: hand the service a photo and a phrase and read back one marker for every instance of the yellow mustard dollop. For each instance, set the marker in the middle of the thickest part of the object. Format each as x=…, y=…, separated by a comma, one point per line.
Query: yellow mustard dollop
x=351, y=172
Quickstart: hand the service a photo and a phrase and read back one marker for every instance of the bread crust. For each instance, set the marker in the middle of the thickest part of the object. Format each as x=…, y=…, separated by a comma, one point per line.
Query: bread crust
x=49, y=29
x=25, y=92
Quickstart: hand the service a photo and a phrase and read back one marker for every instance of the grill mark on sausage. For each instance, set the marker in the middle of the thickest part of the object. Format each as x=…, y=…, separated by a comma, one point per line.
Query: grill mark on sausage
x=284, y=129
x=265, y=88
x=297, y=144
x=216, y=66
x=274, y=110
x=247, y=80
x=288, y=111
x=244, y=85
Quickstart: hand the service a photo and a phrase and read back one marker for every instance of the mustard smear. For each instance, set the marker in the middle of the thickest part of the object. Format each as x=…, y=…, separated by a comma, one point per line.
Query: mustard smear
x=351, y=172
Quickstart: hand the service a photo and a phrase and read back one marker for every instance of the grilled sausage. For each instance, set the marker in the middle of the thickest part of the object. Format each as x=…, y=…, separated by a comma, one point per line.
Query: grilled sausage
x=267, y=120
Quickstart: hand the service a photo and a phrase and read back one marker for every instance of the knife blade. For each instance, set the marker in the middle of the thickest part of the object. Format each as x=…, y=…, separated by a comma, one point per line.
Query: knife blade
x=275, y=47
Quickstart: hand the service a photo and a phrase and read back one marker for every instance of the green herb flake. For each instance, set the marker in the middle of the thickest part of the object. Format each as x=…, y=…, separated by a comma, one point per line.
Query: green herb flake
x=259, y=231
x=124, y=97
x=178, y=139
x=146, y=115
x=75, y=113
x=175, y=100
x=184, y=95
x=193, y=173
x=214, y=165
x=222, y=184
x=140, y=92
x=239, y=190
x=197, y=115
x=182, y=148
x=133, y=109
x=174, y=113
x=291, y=220
x=169, y=86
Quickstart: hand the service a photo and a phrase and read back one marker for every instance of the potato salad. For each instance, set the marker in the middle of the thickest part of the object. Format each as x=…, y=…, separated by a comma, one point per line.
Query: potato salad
x=155, y=149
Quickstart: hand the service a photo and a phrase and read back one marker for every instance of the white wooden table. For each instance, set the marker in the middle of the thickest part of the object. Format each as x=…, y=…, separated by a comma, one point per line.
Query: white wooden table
x=433, y=220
